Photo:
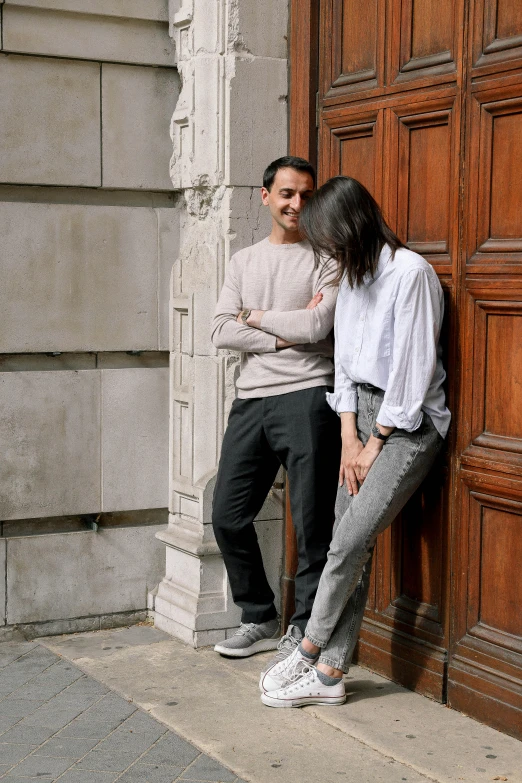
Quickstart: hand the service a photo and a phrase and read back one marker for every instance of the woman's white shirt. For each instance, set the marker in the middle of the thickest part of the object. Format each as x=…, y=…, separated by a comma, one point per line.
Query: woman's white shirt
x=387, y=334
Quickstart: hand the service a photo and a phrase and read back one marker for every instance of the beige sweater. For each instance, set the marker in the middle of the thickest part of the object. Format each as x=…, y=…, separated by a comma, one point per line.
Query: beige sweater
x=280, y=279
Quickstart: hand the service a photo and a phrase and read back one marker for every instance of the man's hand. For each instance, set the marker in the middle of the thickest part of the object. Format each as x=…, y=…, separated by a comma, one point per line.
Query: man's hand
x=254, y=319
x=314, y=301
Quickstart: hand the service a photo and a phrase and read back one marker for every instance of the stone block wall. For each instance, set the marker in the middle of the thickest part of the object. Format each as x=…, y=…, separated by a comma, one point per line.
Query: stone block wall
x=89, y=231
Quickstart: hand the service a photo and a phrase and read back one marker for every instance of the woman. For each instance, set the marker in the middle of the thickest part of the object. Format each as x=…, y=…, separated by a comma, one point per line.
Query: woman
x=389, y=396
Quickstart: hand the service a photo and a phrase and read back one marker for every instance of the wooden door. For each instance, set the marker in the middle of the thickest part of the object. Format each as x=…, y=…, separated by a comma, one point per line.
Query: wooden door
x=421, y=100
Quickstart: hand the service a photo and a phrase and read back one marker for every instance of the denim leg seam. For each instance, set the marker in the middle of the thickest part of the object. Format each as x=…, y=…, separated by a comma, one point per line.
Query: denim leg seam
x=340, y=663
x=363, y=558
x=358, y=591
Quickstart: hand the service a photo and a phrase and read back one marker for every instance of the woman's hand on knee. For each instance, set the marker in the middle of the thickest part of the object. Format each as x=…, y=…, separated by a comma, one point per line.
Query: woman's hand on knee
x=351, y=449
x=366, y=458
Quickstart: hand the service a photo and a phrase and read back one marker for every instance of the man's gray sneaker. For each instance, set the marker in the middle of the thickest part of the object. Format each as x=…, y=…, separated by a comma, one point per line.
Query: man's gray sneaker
x=251, y=638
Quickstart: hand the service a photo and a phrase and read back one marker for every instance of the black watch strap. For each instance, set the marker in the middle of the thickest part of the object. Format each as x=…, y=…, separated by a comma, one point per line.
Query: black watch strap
x=378, y=434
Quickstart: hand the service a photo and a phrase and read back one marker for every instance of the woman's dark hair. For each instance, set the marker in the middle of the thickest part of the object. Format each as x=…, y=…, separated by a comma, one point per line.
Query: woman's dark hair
x=288, y=162
x=342, y=220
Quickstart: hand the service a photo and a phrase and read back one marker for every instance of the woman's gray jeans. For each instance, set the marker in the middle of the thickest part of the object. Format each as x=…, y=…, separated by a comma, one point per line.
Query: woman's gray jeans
x=398, y=471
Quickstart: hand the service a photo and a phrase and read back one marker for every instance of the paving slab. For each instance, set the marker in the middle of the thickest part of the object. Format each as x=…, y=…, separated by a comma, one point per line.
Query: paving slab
x=22, y=735
x=151, y=773
x=383, y=732
x=86, y=776
x=12, y=754
x=67, y=747
x=73, y=729
x=10, y=651
x=208, y=769
x=40, y=767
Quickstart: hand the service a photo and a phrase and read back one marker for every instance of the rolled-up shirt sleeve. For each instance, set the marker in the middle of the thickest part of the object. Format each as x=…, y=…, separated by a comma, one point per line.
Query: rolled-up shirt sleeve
x=343, y=399
x=417, y=317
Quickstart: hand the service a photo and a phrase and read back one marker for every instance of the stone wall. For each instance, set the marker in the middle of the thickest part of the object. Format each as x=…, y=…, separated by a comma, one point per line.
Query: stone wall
x=89, y=231
x=229, y=123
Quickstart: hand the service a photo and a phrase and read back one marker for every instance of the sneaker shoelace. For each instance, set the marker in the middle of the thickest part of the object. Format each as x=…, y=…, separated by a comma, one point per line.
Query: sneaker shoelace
x=305, y=677
x=297, y=668
x=244, y=628
x=285, y=647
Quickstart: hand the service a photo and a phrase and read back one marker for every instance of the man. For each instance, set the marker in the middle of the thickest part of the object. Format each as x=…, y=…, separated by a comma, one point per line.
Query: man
x=277, y=308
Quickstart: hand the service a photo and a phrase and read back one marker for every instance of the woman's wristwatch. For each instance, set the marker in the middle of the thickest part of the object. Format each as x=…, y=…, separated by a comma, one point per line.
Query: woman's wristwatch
x=245, y=315
x=378, y=434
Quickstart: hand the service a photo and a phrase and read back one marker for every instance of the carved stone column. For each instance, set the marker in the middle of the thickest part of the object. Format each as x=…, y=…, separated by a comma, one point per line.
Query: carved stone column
x=229, y=122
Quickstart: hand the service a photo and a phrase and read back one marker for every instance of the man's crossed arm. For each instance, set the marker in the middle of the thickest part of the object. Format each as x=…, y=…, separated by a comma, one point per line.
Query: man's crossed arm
x=255, y=318
x=267, y=331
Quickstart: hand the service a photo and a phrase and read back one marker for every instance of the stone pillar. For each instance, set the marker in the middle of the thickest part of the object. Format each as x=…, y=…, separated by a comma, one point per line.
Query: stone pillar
x=229, y=122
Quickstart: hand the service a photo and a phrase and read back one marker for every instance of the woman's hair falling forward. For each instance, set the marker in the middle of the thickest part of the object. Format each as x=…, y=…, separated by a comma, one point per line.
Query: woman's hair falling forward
x=342, y=220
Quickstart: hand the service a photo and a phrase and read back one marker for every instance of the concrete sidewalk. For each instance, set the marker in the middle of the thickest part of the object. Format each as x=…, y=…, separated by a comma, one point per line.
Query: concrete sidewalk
x=205, y=718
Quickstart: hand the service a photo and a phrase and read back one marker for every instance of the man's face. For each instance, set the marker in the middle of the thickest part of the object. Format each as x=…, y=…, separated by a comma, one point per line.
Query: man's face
x=287, y=196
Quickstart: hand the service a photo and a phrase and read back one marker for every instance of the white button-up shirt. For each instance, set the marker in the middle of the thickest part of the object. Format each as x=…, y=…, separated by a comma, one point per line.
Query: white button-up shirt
x=387, y=334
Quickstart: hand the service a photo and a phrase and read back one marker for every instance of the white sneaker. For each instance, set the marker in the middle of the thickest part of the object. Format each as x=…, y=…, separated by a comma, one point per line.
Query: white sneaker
x=308, y=689
x=285, y=672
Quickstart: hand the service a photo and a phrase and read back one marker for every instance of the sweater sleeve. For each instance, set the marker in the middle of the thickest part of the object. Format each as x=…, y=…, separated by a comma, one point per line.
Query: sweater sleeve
x=226, y=331
x=307, y=326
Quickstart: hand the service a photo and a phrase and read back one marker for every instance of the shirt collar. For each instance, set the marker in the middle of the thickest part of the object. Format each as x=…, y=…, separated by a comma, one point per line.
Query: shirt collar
x=382, y=263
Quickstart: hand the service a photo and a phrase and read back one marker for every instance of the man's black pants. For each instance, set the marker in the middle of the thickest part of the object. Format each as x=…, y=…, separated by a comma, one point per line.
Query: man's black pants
x=300, y=431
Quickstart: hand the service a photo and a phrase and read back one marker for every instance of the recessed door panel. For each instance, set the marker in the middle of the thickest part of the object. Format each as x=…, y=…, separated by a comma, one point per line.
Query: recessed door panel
x=352, y=146
x=422, y=200
x=495, y=233
x=428, y=40
x=493, y=365
x=358, y=157
x=499, y=593
x=497, y=35
x=358, y=44
x=353, y=46
x=503, y=394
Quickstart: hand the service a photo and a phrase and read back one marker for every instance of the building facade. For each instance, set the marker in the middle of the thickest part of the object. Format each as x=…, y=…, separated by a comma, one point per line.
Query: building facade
x=112, y=270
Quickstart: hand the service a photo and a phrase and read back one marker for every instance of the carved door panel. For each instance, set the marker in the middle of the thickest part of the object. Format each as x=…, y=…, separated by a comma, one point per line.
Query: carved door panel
x=421, y=100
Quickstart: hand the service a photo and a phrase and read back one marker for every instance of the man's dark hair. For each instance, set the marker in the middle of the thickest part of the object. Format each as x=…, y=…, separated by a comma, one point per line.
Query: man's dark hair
x=287, y=162
x=342, y=220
